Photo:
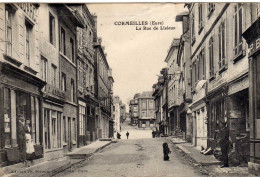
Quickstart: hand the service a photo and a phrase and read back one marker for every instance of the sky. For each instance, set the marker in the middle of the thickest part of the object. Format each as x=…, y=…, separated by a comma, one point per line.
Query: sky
x=136, y=56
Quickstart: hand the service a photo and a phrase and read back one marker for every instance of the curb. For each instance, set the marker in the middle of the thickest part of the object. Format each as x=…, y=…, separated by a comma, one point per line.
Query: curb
x=196, y=161
x=81, y=160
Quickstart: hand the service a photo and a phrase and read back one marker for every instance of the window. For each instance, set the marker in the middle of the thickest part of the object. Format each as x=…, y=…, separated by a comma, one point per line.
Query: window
x=52, y=29
x=86, y=77
x=211, y=57
x=72, y=94
x=9, y=30
x=201, y=65
x=54, y=128
x=143, y=114
x=193, y=38
x=44, y=68
x=113, y=108
x=151, y=105
x=222, y=45
x=74, y=130
x=72, y=50
x=90, y=79
x=7, y=118
x=28, y=45
x=201, y=25
x=81, y=75
x=53, y=74
x=82, y=113
x=258, y=10
x=211, y=8
x=143, y=105
x=63, y=82
x=47, y=129
x=64, y=129
x=62, y=41
x=59, y=129
x=238, y=29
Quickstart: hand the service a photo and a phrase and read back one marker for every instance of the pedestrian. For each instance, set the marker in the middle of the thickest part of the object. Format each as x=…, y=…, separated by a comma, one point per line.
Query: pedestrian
x=166, y=151
x=127, y=134
x=118, y=135
x=29, y=142
x=224, y=142
x=21, y=140
x=153, y=133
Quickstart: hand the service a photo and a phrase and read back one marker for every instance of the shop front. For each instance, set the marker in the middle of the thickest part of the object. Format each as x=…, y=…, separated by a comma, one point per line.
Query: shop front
x=238, y=115
x=20, y=96
x=252, y=36
x=217, y=111
x=199, y=115
x=54, y=123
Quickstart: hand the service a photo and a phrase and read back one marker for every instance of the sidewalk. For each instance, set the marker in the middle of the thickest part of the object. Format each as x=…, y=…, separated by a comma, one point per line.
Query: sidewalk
x=51, y=168
x=209, y=162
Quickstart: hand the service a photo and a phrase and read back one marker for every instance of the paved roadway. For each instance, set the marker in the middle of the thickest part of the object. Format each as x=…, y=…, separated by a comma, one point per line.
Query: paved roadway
x=135, y=157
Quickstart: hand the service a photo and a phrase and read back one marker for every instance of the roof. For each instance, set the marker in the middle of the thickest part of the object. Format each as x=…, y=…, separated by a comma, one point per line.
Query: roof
x=174, y=44
x=179, y=17
x=146, y=94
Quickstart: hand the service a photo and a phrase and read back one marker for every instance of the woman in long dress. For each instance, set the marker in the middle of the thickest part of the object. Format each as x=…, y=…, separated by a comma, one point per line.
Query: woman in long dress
x=29, y=141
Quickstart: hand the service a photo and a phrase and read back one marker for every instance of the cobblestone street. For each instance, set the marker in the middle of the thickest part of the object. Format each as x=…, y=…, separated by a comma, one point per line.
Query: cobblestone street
x=135, y=157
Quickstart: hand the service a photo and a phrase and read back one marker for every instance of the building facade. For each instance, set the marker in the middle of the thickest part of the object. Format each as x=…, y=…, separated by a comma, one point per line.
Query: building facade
x=172, y=83
x=103, y=89
x=116, y=114
x=133, y=109
x=20, y=83
x=158, y=92
x=86, y=93
x=183, y=61
x=47, y=76
x=146, y=110
x=219, y=73
x=251, y=34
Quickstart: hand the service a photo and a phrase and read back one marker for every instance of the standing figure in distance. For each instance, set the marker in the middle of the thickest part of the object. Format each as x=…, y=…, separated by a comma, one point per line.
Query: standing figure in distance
x=166, y=151
x=153, y=133
x=127, y=134
x=118, y=135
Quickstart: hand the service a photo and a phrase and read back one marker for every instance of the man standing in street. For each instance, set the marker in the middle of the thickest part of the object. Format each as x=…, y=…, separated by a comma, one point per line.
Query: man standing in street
x=127, y=134
x=21, y=137
x=223, y=142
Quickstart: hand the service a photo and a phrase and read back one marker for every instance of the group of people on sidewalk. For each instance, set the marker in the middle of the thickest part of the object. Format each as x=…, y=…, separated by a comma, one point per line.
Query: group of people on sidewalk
x=25, y=142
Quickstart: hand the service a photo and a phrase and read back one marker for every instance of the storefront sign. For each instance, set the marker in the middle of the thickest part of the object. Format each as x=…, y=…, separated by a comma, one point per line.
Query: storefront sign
x=55, y=91
x=217, y=82
x=254, y=46
x=238, y=86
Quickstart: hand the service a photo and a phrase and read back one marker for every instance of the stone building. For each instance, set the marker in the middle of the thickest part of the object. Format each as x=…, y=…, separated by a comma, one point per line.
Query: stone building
x=251, y=34
x=103, y=89
x=219, y=73
x=116, y=114
x=111, y=120
x=133, y=109
x=20, y=78
x=86, y=93
x=146, y=110
x=183, y=61
x=172, y=83
x=158, y=94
